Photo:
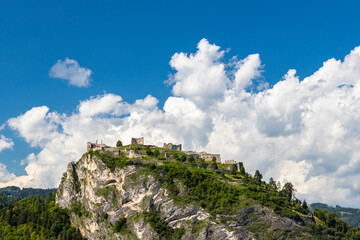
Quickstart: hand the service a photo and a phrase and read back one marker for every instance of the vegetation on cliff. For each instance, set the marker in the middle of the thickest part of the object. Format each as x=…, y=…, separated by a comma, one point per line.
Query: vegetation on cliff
x=223, y=193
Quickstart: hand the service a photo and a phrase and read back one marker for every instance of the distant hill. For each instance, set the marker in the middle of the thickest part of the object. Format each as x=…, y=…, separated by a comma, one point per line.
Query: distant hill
x=31, y=213
x=12, y=194
x=35, y=218
x=349, y=215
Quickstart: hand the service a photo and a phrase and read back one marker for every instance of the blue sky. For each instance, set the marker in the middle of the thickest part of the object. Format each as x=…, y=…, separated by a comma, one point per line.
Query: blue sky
x=128, y=46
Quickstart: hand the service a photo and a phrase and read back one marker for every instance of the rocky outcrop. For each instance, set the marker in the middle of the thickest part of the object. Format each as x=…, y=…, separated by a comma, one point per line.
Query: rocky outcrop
x=98, y=197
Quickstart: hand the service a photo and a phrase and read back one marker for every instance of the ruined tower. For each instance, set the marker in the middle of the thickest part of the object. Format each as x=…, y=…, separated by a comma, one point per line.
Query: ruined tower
x=139, y=141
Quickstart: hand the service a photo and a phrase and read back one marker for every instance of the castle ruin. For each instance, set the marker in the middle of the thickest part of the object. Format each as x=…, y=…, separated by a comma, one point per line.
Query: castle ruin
x=234, y=165
x=209, y=157
x=139, y=141
x=132, y=153
x=172, y=146
x=204, y=155
x=95, y=146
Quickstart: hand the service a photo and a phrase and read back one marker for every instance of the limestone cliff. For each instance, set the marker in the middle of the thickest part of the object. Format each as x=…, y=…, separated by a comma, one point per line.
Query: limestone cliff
x=101, y=199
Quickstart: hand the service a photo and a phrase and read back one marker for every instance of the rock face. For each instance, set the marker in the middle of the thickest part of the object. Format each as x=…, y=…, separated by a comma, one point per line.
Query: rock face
x=98, y=197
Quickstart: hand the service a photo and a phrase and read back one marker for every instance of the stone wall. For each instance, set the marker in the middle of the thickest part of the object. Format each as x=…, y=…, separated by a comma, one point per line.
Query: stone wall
x=134, y=154
x=234, y=165
x=139, y=141
x=230, y=162
x=209, y=156
x=95, y=146
x=172, y=146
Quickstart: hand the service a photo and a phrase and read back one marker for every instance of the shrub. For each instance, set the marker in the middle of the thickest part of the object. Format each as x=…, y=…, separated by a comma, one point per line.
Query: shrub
x=165, y=232
x=120, y=225
x=118, y=143
x=156, y=153
x=148, y=151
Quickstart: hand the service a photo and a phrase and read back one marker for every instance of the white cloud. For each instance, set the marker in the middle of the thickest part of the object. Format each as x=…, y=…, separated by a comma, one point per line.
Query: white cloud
x=5, y=176
x=37, y=126
x=248, y=69
x=71, y=71
x=107, y=104
x=5, y=143
x=30, y=158
x=201, y=76
x=304, y=131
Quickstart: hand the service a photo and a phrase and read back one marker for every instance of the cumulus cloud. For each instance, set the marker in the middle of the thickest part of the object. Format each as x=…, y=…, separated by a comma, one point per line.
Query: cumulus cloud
x=5, y=176
x=201, y=76
x=37, y=126
x=107, y=104
x=304, y=131
x=248, y=69
x=71, y=71
x=5, y=143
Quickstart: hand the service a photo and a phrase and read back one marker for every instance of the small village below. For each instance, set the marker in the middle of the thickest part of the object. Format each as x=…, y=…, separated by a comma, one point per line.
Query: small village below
x=132, y=151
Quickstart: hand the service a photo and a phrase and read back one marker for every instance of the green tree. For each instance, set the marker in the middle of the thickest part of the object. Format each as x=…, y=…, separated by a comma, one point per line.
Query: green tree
x=242, y=170
x=148, y=151
x=183, y=158
x=203, y=163
x=156, y=153
x=246, y=178
x=191, y=159
x=304, y=205
x=120, y=224
x=118, y=143
x=258, y=176
x=272, y=184
x=288, y=190
x=214, y=164
x=233, y=171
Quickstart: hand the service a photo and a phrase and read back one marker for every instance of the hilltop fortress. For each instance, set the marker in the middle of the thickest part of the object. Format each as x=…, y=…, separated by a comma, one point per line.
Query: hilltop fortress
x=131, y=152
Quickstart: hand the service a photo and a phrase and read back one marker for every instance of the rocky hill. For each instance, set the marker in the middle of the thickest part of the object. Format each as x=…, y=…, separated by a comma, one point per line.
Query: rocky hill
x=110, y=196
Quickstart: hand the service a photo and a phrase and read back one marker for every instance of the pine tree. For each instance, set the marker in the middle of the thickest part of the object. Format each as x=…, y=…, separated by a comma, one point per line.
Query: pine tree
x=258, y=176
x=242, y=170
x=272, y=184
x=304, y=205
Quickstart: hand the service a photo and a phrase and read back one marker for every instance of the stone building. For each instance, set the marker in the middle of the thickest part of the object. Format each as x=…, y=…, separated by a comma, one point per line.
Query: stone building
x=134, y=154
x=172, y=146
x=131, y=153
x=233, y=164
x=139, y=141
x=95, y=146
x=229, y=162
x=206, y=156
x=102, y=148
x=194, y=154
x=209, y=157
